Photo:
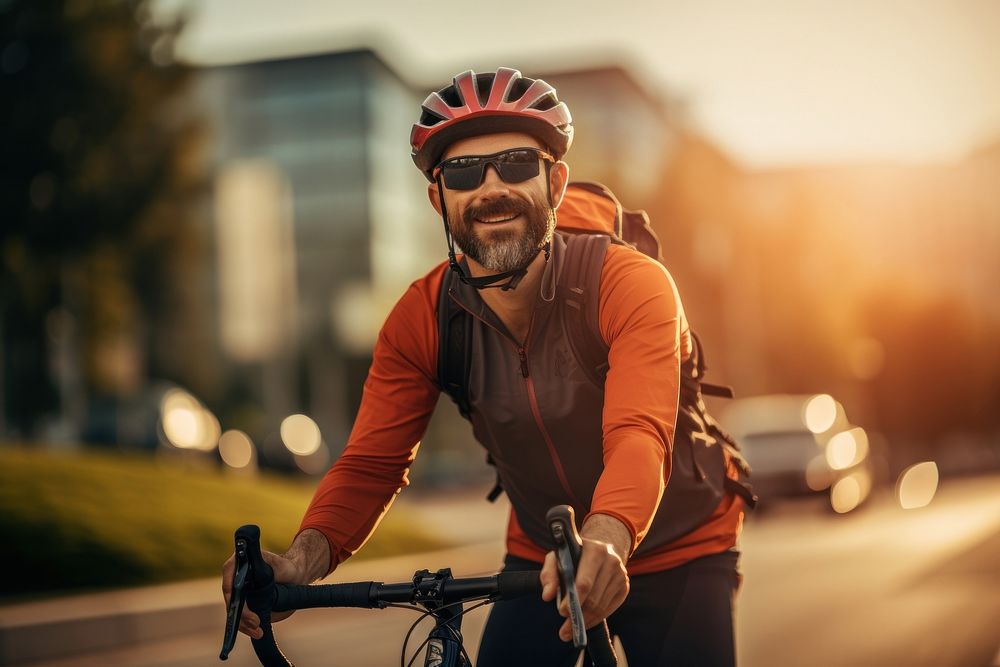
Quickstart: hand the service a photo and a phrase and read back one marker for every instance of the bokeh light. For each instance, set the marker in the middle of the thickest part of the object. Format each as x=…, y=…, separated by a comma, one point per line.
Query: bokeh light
x=847, y=448
x=820, y=413
x=186, y=423
x=917, y=485
x=841, y=451
x=300, y=434
x=845, y=495
x=236, y=449
x=851, y=491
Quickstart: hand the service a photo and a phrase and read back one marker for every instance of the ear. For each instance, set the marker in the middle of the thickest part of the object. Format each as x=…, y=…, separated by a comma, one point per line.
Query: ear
x=558, y=180
x=433, y=195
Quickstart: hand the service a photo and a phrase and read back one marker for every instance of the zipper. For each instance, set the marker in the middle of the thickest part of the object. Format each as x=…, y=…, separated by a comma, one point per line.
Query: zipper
x=522, y=355
x=548, y=442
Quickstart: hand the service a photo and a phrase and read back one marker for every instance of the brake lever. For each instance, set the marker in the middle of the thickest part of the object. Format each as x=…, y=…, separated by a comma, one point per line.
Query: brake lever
x=237, y=598
x=563, y=528
x=257, y=589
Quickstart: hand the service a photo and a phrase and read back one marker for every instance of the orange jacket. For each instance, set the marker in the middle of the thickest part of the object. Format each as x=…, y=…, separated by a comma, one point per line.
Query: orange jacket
x=639, y=309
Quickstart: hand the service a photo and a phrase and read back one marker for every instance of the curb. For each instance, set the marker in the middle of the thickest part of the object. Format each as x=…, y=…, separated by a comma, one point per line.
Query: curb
x=67, y=626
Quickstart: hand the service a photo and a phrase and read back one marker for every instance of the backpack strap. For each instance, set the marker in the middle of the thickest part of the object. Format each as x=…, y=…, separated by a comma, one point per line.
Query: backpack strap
x=579, y=287
x=455, y=358
x=699, y=421
x=707, y=388
x=454, y=347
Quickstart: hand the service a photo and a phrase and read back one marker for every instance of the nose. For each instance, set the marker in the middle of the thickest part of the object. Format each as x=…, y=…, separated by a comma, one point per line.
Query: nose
x=492, y=184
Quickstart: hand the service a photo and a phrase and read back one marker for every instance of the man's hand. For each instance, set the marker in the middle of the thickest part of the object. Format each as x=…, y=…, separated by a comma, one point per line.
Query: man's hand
x=601, y=580
x=304, y=562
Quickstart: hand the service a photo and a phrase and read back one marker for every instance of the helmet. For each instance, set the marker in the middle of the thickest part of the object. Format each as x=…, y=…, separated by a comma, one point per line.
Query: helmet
x=476, y=104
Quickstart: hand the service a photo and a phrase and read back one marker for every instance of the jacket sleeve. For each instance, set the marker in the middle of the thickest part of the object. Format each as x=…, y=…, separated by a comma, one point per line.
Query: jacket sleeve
x=642, y=321
x=399, y=397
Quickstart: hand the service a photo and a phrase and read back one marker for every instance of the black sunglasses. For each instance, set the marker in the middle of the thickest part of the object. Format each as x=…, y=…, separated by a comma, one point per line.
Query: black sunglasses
x=515, y=165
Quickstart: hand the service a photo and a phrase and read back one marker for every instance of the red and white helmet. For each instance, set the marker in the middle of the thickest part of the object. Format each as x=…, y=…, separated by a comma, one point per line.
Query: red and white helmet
x=488, y=103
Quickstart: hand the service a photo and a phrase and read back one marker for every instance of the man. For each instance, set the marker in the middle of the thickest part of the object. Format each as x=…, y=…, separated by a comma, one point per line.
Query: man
x=491, y=147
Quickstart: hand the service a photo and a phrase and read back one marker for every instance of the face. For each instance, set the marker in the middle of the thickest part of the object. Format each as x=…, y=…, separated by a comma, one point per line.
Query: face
x=500, y=225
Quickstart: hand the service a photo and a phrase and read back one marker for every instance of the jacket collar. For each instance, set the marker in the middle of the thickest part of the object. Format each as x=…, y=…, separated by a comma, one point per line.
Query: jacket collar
x=471, y=300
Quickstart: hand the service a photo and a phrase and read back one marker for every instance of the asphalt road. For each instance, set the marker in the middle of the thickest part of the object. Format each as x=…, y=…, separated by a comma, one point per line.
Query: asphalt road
x=881, y=586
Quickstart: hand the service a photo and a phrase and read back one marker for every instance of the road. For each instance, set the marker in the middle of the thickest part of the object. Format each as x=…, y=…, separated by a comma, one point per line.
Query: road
x=881, y=586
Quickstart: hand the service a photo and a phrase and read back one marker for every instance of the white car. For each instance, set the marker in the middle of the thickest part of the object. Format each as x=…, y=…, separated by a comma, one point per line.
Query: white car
x=799, y=445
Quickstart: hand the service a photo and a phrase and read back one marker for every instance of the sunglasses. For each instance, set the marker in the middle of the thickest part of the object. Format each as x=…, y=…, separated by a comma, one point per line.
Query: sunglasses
x=516, y=165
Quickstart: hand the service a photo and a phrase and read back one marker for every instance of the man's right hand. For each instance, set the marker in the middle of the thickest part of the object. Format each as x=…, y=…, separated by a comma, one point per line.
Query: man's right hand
x=304, y=562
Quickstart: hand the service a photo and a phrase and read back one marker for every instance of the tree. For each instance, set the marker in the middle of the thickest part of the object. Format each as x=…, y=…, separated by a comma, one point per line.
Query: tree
x=100, y=162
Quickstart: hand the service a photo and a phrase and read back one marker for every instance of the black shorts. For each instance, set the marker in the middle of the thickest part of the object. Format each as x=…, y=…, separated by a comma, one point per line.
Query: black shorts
x=677, y=617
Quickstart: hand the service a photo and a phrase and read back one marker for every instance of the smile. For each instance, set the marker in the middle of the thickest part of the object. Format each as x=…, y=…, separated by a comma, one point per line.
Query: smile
x=497, y=219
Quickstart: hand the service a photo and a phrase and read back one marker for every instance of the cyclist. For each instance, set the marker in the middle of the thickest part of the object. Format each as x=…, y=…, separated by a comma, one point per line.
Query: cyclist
x=491, y=146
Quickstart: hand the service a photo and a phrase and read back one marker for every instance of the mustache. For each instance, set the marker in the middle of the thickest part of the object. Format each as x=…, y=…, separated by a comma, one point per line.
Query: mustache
x=500, y=207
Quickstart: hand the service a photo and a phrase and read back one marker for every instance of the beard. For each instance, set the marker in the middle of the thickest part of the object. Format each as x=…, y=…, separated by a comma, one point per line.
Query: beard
x=505, y=249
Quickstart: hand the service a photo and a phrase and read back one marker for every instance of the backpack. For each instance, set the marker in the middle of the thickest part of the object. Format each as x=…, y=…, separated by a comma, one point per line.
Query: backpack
x=592, y=218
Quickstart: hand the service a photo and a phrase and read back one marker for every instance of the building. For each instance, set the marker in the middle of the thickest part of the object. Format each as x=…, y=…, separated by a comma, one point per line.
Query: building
x=320, y=224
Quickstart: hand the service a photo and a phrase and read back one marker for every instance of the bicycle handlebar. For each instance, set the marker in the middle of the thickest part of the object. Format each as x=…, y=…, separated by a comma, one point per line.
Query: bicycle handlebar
x=254, y=585
x=377, y=595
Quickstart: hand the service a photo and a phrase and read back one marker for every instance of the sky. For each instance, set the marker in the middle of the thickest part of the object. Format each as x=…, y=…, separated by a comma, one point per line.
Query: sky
x=775, y=83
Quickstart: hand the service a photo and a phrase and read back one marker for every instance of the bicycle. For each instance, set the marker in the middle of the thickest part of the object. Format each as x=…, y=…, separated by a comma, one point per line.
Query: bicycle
x=437, y=594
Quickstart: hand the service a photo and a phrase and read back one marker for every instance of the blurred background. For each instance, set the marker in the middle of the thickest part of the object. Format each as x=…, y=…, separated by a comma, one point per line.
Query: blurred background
x=208, y=208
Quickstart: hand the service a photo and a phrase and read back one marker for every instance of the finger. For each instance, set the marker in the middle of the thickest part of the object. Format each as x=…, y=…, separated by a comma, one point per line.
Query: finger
x=607, y=595
x=249, y=618
x=249, y=630
x=585, y=587
x=595, y=614
x=549, y=577
x=566, y=632
x=615, y=594
x=251, y=627
x=227, y=576
x=586, y=575
x=600, y=590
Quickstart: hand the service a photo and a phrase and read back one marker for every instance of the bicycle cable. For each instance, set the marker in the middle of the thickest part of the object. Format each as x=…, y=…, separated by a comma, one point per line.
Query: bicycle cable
x=485, y=600
x=456, y=635
x=430, y=612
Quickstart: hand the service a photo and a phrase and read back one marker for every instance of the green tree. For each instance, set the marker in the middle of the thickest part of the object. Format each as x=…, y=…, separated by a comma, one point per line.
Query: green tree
x=100, y=163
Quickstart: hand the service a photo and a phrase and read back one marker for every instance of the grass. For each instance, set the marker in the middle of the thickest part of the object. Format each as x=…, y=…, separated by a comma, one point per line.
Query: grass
x=90, y=520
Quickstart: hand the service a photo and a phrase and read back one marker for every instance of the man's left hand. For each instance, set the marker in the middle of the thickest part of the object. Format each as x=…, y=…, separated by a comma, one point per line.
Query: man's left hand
x=601, y=579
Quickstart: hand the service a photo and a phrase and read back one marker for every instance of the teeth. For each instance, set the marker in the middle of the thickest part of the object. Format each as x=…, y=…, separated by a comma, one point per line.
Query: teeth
x=499, y=219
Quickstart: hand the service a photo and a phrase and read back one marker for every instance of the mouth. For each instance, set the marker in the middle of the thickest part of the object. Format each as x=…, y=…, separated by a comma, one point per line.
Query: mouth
x=497, y=219
x=497, y=213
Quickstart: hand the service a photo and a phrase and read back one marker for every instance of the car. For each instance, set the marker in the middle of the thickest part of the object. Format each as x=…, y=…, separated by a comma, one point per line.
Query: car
x=800, y=445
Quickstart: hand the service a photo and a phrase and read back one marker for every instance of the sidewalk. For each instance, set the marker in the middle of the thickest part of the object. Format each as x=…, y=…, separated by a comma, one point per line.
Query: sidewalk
x=60, y=627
